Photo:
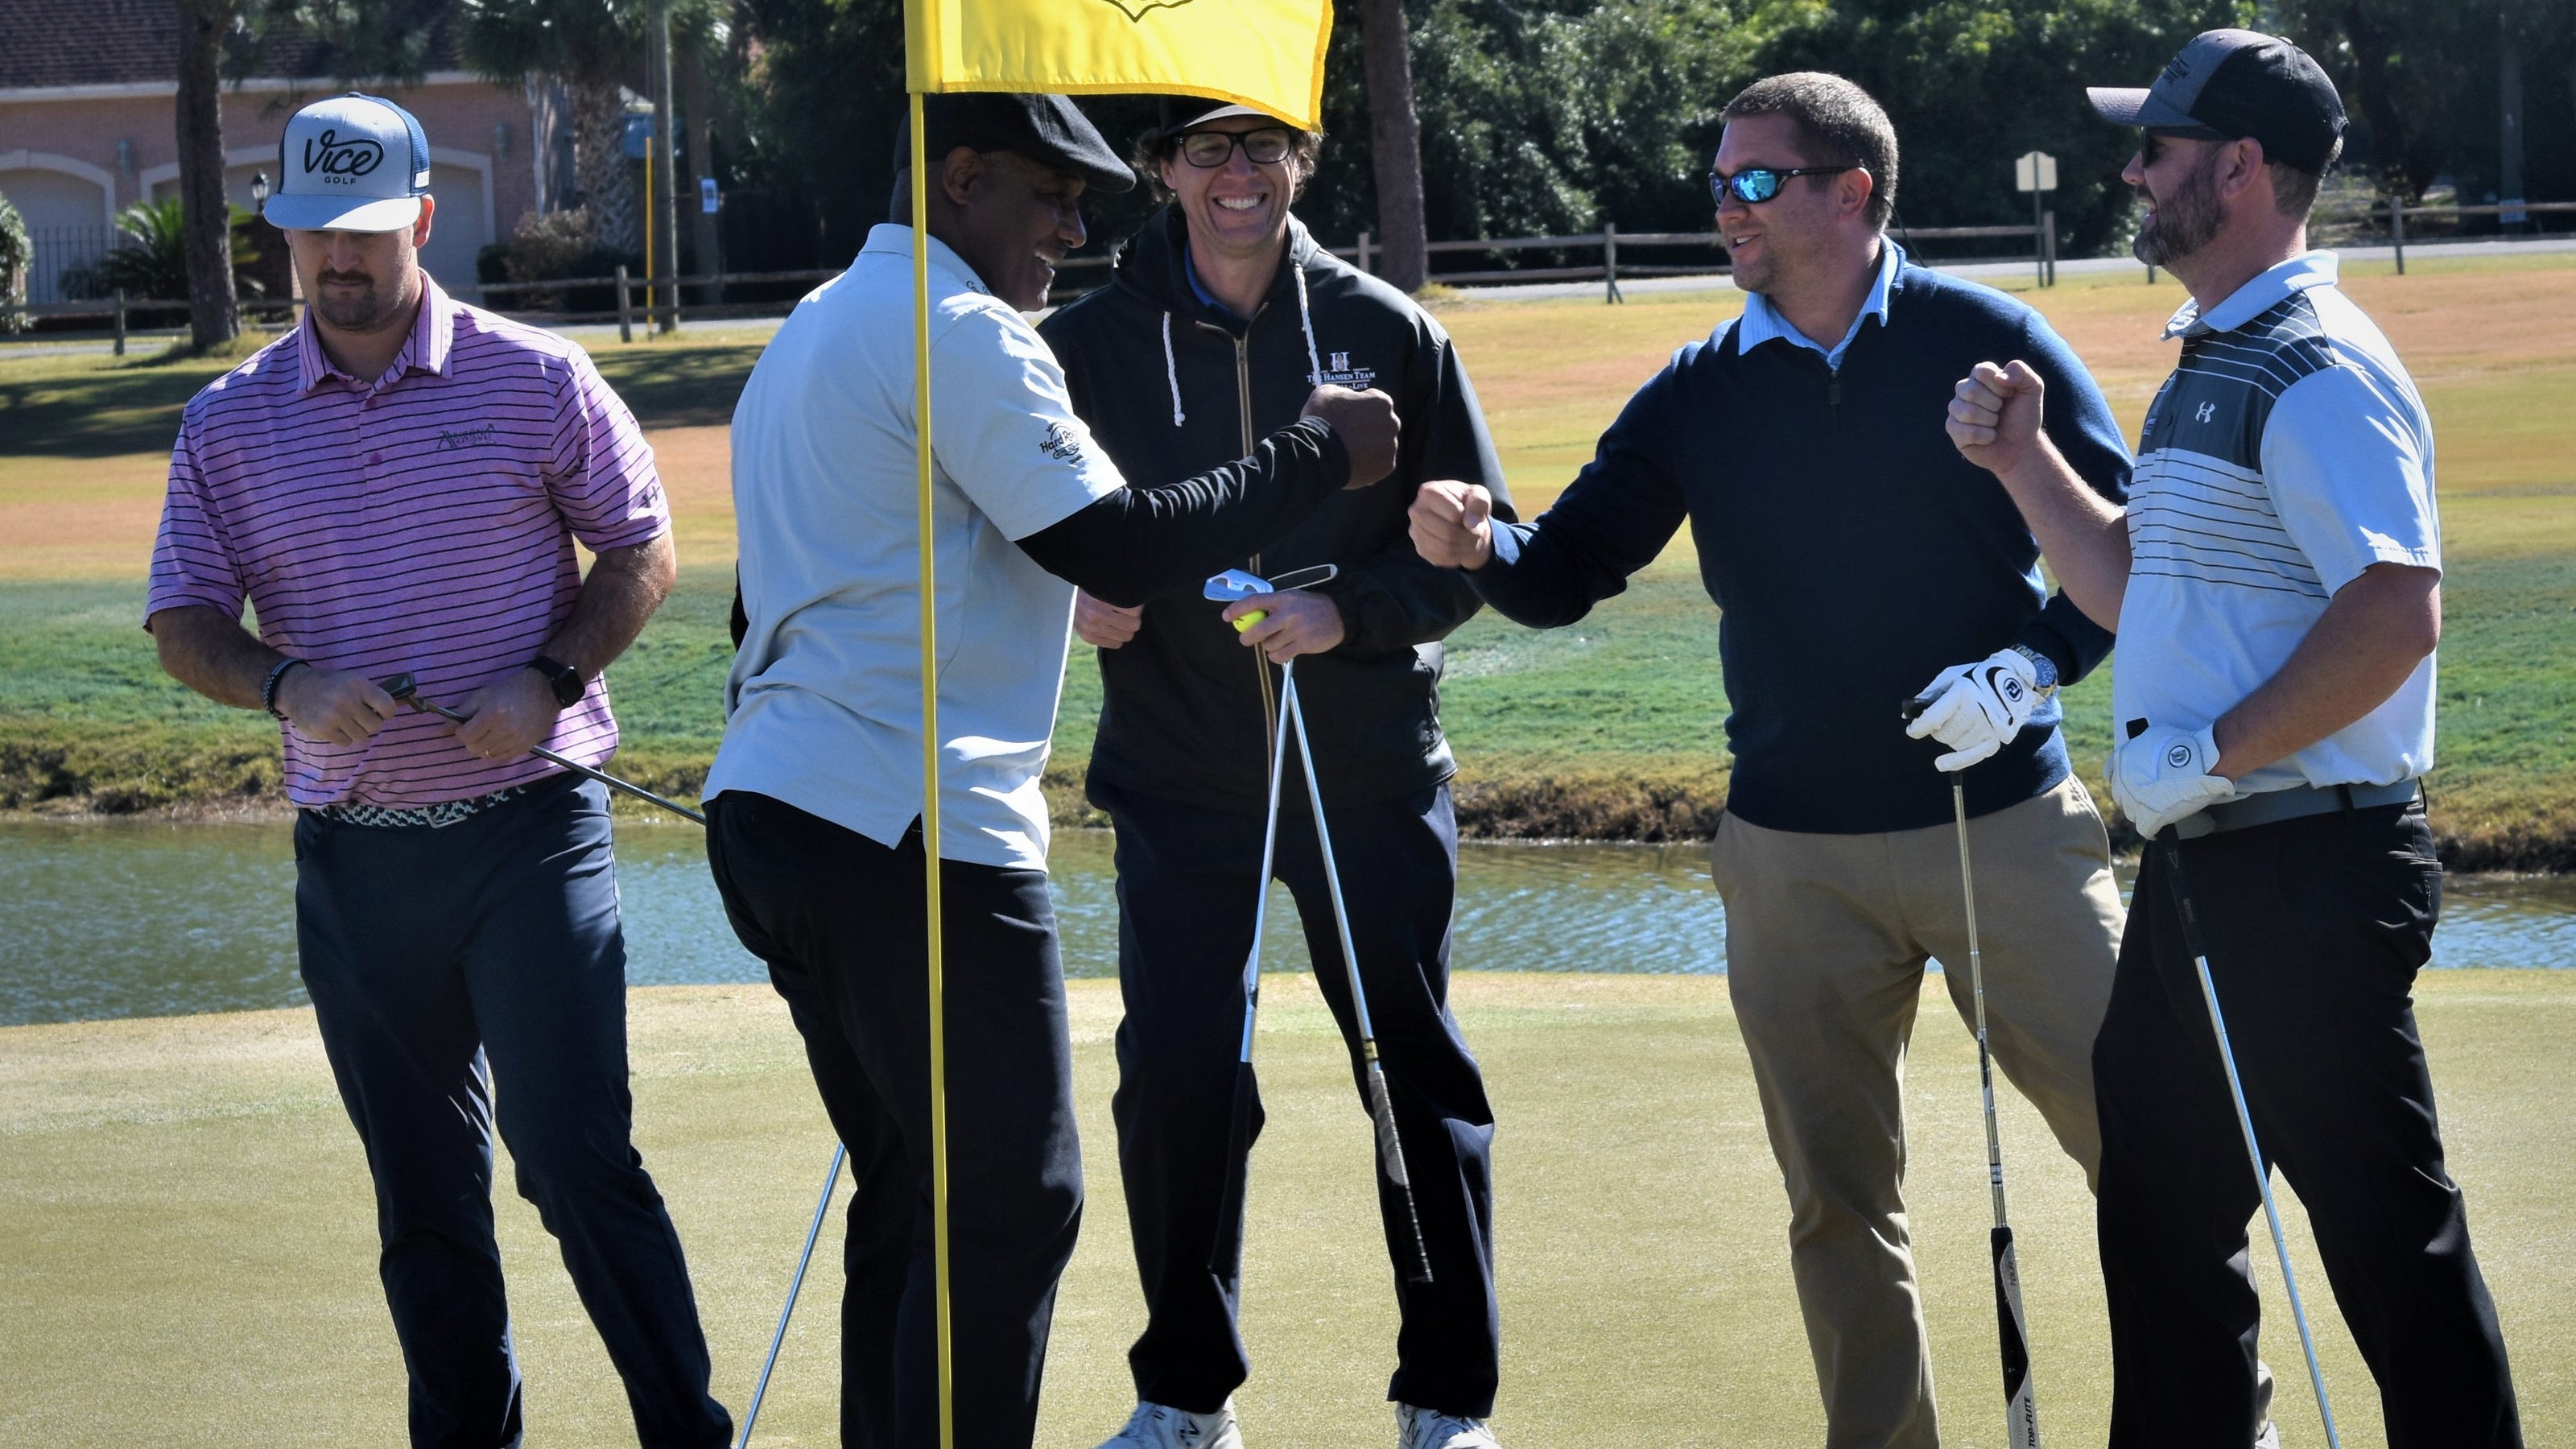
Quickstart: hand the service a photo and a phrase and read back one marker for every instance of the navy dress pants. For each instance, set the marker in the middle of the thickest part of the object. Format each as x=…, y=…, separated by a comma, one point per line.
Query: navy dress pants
x=2315, y=928
x=447, y=963
x=839, y=919
x=1187, y=881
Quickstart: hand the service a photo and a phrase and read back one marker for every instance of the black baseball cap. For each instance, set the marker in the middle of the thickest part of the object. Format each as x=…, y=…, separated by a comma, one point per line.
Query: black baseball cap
x=1047, y=129
x=2236, y=84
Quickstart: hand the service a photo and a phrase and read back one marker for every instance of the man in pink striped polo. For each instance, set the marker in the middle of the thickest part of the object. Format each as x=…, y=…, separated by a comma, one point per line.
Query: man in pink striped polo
x=397, y=486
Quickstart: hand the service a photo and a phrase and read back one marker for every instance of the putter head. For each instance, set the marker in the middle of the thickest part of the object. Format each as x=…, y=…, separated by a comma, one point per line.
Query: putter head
x=1235, y=584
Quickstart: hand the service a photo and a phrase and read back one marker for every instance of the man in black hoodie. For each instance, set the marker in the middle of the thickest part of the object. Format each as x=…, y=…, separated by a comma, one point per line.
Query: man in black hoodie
x=1222, y=316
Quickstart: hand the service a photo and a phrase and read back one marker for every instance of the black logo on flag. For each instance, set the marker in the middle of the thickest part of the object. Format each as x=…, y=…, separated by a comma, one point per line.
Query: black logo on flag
x=1136, y=9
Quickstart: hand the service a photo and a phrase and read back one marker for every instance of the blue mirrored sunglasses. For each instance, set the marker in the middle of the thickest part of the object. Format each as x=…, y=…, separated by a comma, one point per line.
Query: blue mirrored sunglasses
x=1756, y=184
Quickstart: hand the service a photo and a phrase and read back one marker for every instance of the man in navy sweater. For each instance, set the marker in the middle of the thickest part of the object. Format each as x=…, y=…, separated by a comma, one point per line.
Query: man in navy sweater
x=1856, y=556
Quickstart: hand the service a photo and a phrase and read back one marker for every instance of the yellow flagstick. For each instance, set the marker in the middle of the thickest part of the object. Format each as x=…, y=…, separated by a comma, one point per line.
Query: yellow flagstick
x=930, y=782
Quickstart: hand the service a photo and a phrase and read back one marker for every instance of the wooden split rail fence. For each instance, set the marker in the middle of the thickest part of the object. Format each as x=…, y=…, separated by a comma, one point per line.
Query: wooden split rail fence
x=660, y=307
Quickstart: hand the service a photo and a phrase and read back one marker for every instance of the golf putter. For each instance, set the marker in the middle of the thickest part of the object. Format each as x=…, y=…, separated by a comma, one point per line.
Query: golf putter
x=1227, y=587
x=2244, y=1116
x=407, y=691
x=2021, y=1406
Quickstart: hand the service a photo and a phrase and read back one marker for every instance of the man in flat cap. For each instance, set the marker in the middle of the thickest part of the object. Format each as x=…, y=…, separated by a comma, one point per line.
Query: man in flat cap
x=2276, y=583
x=1223, y=313
x=814, y=804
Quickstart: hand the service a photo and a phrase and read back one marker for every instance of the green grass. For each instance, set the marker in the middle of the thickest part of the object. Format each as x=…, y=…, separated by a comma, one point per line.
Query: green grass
x=1603, y=730
x=187, y=1255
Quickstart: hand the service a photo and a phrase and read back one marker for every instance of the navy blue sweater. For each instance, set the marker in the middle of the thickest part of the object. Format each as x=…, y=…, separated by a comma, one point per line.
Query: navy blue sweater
x=1854, y=553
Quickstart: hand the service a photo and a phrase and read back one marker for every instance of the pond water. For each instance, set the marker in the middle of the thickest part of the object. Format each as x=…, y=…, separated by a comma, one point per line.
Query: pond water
x=135, y=918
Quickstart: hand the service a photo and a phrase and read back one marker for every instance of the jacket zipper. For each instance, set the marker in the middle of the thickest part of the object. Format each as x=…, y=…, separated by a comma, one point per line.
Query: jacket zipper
x=1243, y=405
x=1260, y=661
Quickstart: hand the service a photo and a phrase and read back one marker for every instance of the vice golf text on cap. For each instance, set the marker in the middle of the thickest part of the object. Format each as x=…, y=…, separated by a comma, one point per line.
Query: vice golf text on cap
x=2235, y=84
x=351, y=163
x=1049, y=130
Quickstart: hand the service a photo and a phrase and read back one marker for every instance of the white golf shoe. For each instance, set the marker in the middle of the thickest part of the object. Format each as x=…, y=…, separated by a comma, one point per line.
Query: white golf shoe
x=1426, y=1429
x=1160, y=1426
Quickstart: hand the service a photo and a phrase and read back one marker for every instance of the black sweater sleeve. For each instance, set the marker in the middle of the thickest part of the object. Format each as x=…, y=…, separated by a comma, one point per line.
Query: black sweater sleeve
x=1390, y=599
x=1139, y=542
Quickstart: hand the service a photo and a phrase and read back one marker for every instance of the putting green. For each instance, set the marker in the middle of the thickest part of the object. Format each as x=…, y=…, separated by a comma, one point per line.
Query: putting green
x=186, y=1253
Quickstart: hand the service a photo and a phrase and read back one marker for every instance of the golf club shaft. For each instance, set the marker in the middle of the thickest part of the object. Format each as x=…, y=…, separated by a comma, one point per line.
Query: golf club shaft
x=1381, y=1102
x=2021, y=1407
x=585, y=771
x=1238, y=1133
x=795, y=1286
x=2245, y=1121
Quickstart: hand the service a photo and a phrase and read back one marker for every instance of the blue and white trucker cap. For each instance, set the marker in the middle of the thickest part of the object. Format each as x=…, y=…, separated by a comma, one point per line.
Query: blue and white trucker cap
x=351, y=163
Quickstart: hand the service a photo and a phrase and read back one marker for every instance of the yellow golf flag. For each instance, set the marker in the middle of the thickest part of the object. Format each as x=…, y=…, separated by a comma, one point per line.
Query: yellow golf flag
x=1268, y=54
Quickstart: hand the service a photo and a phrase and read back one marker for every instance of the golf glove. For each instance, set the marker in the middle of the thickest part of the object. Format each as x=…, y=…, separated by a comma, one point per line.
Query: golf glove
x=1977, y=708
x=2163, y=775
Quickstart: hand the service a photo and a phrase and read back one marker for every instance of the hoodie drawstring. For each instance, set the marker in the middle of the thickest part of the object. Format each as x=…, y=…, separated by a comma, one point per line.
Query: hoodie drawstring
x=1306, y=320
x=1172, y=371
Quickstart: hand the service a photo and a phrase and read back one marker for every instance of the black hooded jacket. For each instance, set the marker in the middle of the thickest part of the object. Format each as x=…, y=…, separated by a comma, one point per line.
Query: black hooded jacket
x=1172, y=386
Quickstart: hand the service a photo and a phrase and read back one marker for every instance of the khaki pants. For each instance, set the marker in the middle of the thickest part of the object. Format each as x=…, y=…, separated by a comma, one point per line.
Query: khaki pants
x=1826, y=939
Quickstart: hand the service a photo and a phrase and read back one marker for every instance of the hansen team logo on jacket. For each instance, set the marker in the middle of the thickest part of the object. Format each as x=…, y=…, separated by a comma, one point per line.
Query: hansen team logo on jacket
x=1338, y=371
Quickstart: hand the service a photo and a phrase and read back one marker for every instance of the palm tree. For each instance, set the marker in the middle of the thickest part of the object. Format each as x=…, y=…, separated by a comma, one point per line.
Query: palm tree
x=596, y=48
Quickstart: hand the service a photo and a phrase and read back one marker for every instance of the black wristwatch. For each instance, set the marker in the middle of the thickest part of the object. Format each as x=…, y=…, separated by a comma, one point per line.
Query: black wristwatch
x=567, y=681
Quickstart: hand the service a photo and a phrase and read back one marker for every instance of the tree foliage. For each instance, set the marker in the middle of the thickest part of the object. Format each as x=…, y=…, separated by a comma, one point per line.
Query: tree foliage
x=1553, y=116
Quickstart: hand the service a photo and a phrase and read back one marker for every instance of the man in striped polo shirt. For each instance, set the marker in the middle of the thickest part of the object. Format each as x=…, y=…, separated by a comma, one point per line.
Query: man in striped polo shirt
x=397, y=486
x=2275, y=582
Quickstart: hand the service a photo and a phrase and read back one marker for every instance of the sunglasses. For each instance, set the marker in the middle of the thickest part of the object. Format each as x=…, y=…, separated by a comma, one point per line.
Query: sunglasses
x=1757, y=184
x=2151, y=141
x=1209, y=150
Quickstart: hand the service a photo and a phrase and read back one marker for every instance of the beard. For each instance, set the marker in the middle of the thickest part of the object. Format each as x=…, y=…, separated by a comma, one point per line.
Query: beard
x=2183, y=221
x=364, y=311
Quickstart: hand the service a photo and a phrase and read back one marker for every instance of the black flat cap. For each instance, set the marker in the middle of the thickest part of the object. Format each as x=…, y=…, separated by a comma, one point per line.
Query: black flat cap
x=1047, y=129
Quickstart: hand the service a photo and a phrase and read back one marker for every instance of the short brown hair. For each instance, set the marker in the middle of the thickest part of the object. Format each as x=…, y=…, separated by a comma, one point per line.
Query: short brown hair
x=1156, y=147
x=2294, y=191
x=1838, y=125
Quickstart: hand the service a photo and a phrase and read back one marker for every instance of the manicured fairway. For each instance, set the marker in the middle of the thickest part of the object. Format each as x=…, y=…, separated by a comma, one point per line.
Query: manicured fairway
x=187, y=1255
x=1610, y=728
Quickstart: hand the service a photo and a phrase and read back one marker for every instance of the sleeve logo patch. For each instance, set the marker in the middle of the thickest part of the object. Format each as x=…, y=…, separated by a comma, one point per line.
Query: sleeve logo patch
x=1061, y=443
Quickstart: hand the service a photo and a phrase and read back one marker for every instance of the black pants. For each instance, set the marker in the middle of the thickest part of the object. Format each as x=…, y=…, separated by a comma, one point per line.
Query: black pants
x=1186, y=892
x=2314, y=930
x=430, y=953
x=839, y=919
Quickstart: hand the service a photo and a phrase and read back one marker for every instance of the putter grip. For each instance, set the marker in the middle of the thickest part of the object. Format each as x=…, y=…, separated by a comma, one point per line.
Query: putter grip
x=1244, y=624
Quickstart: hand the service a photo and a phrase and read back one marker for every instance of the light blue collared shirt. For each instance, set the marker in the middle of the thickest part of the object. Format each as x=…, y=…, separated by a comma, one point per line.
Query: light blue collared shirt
x=1762, y=322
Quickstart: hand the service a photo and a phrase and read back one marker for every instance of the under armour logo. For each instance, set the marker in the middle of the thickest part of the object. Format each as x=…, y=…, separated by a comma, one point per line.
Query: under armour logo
x=1136, y=9
x=2206, y=412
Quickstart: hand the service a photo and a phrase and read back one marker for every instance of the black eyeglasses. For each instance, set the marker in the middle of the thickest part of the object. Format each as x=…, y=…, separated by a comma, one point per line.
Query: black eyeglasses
x=1209, y=150
x=1757, y=184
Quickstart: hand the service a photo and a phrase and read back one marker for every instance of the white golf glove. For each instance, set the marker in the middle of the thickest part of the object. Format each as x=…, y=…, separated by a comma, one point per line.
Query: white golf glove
x=1976, y=709
x=2163, y=775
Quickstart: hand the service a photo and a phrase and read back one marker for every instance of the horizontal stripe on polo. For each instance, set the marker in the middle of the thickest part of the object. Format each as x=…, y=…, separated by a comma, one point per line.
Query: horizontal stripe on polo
x=423, y=523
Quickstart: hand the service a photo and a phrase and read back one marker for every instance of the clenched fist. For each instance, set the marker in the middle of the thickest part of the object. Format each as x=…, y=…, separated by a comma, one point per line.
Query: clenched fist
x=1453, y=524
x=1367, y=425
x=1994, y=415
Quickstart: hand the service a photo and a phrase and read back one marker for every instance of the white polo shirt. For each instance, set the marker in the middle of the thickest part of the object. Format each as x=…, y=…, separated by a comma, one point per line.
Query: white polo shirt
x=2288, y=452
x=823, y=708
